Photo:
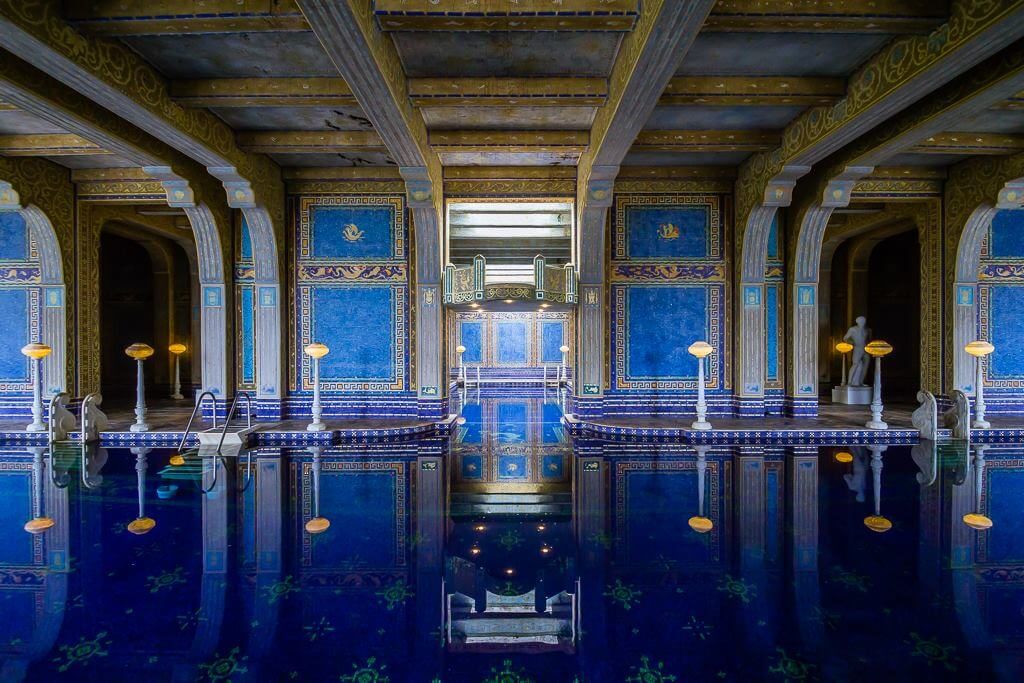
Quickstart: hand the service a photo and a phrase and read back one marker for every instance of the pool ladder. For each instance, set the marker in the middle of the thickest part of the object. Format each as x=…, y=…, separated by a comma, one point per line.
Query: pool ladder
x=223, y=435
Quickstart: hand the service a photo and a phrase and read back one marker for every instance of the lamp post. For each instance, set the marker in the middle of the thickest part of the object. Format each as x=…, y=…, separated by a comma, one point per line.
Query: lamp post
x=564, y=348
x=139, y=353
x=976, y=520
x=318, y=524
x=141, y=524
x=701, y=350
x=844, y=347
x=177, y=349
x=316, y=351
x=36, y=353
x=459, y=350
x=699, y=522
x=979, y=349
x=877, y=522
x=877, y=349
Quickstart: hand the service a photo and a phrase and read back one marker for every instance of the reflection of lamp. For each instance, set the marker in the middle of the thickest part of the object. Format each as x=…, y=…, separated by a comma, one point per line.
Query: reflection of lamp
x=699, y=522
x=36, y=353
x=177, y=350
x=877, y=349
x=565, y=363
x=877, y=522
x=844, y=347
x=843, y=457
x=701, y=350
x=139, y=353
x=976, y=520
x=39, y=522
x=141, y=524
x=318, y=524
x=979, y=349
x=316, y=351
x=459, y=350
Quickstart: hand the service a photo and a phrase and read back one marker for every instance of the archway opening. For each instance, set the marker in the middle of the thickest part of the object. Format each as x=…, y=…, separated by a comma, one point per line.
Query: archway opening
x=894, y=311
x=145, y=296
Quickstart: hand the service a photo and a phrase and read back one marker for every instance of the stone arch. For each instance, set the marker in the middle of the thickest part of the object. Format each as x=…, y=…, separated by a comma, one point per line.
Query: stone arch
x=266, y=261
x=53, y=299
x=750, y=360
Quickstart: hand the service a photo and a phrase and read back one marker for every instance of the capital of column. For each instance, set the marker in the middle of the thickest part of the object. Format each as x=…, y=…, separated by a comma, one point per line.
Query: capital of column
x=179, y=193
x=419, y=188
x=839, y=188
x=240, y=194
x=779, y=189
x=600, y=189
x=1011, y=196
x=9, y=198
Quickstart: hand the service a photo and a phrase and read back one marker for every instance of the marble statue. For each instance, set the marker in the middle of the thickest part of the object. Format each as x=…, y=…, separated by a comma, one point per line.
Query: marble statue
x=858, y=335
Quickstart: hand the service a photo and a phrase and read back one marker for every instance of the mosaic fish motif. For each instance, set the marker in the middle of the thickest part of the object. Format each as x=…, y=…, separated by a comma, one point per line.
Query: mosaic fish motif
x=352, y=233
x=668, y=231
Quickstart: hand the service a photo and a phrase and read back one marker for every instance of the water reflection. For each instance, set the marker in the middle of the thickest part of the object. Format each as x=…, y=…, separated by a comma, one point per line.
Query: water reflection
x=589, y=561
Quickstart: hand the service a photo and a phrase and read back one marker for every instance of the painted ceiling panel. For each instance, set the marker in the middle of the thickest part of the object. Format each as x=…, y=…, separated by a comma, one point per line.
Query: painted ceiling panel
x=522, y=54
x=911, y=159
x=294, y=118
x=328, y=160
x=91, y=161
x=721, y=118
x=685, y=158
x=779, y=54
x=236, y=55
x=509, y=118
x=993, y=121
x=498, y=158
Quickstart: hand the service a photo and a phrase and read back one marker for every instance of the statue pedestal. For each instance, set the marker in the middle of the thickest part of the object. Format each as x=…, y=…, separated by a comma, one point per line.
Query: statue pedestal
x=851, y=396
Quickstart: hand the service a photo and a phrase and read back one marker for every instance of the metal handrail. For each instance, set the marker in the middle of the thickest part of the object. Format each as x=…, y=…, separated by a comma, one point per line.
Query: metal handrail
x=51, y=435
x=85, y=479
x=53, y=472
x=199, y=404
x=86, y=402
x=231, y=412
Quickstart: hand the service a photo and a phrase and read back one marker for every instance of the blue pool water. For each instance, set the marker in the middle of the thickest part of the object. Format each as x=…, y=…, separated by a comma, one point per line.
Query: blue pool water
x=509, y=555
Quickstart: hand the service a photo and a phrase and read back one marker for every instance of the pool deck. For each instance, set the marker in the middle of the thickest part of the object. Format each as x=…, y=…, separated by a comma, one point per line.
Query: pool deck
x=835, y=424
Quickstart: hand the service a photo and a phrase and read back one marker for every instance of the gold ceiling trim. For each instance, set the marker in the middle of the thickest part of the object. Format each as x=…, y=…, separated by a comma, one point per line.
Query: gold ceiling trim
x=310, y=142
x=509, y=140
x=753, y=90
x=341, y=173
x=265, y=92
x=706, y=141
x=677, y=172
x=814, y=16
x=501, y=15
x=48, y=145
x=970, y=144
x=508, y=91
x=162, y=17
x=509, y=172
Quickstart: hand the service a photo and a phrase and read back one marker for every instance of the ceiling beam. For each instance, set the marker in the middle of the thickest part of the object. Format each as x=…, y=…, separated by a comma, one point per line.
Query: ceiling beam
x=263, y=92
x=164, y=17
x=647, y=59
x=49, y=145
x=561, y=92
x=310, y=142
x=814, y=16
x=753, y=90
x=1015, y=102
x=706, y=141
x=368, y=61
x=970, y=144
x=521, y=15
x=509, y=140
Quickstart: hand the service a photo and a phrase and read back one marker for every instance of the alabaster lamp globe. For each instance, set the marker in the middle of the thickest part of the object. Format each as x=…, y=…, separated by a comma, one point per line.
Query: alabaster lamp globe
x=700, y=349
x=843, y=457
x=36, y=351
x=316, y=350
x=844, y=347
x=878, y=348
x=460, y=349
x=563, y=348
x=979, y=349
x=176, y=460
x=139, y=351
x=177, y=349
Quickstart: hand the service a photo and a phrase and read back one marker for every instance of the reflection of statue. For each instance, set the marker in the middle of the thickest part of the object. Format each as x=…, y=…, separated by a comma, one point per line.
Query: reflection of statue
x=857, y=480
x=858, y=335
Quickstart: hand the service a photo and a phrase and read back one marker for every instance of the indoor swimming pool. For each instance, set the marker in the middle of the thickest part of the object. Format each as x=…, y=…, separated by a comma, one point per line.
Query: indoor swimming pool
x=510, y=553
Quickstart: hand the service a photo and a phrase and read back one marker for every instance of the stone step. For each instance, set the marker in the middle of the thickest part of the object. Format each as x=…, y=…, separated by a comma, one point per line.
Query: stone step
x=503, y=498
x=518, y=629
x=462, y=510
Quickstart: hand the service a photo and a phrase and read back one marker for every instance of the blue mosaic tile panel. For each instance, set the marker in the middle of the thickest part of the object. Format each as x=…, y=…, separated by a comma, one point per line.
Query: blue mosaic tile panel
x=511, y=343
x=352, y=233
x=1006, y=320
x=551, y=341
x=15, y=321
x=357, y=324
x=14, y=239
x=1006, y=234
x=472, y=336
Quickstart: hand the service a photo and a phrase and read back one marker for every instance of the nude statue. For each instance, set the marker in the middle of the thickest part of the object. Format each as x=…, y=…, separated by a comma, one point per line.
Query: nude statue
x=858, y=335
